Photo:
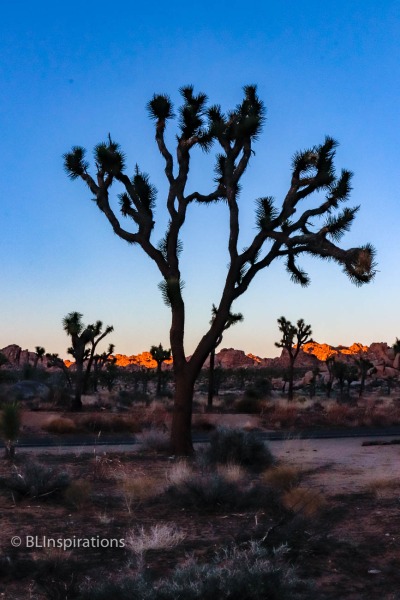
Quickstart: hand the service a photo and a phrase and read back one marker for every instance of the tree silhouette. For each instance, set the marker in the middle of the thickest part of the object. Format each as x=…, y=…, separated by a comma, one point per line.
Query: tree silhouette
x=40, y=352
x=340, y=372
x=233, y=318
x=53, y=360
x=159, y=355
x=284, y=232
x=363, y=365
x=293, y=338
x=81, y=337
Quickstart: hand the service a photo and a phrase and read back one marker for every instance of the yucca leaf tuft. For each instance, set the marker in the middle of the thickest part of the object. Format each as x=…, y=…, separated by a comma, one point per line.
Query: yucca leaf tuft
x=75, y=164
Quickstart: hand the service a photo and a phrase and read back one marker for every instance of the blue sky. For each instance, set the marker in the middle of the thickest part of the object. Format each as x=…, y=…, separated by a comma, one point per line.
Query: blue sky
x=72, y=73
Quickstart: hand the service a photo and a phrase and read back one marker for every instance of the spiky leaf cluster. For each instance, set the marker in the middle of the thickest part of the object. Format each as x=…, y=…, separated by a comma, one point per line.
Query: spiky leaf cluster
x=109, y=158
x=75, y=164
x=171, y=290
x=160, y=108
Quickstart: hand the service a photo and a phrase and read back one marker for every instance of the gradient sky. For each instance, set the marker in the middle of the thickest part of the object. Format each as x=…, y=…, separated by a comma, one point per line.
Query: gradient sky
x=70, y=73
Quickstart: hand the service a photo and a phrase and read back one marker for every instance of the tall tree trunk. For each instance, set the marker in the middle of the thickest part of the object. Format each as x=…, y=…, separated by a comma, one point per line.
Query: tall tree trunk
x=77, y=402
x=211, y=379
x=158, y=392
x=181, y=431
x=291, y=377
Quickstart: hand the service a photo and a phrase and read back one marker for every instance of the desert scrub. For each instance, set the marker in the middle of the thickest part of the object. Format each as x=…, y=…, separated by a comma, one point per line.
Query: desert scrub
x=59, y=425
x=136, y=489
x=281, y=477
x=10, y=424
x=251, y=574
x=157, y=537
x=34, y=480
x=240, y=447
x=303, y=501
x=212, y=492
x=155, y=440
x=108, y=424
x=78, y=493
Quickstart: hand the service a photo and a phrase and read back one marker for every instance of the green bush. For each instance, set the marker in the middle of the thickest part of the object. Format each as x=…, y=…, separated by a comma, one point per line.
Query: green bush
x=240, y=447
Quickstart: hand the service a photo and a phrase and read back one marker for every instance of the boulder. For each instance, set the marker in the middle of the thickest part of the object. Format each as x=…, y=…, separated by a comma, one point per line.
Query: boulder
x=29, y=390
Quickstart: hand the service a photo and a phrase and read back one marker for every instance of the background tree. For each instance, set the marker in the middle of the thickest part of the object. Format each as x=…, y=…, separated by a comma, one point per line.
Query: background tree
x=100, y=361
x=293, y=338
x=10, y=425
x=53, y=360
x=285, y=232
x=233, y=318
x=81, y=337
x=98, y=335
x=340, y=372
x=363, y=365
x=159, y=355
x=40, y=352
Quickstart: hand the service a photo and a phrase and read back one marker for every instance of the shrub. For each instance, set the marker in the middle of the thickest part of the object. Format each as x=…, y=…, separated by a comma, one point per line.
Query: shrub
x=248, y=405
x=250, y=574
x=303, y=500
x=213, y=492
x=60, y=425
x=108, y=424
x=156, y=440
x=240, y=447
x=158, y=537
x=138, y=489
x=10, y=425
x=78, y=493
x=281, y=477
x=178, y=472
x=34, y=480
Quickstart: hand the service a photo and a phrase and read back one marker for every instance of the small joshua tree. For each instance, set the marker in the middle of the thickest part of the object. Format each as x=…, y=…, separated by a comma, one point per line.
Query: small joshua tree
x=363, y=365
x=293, y=338
x=81, y=337
x=159, y=355
x=10, y=427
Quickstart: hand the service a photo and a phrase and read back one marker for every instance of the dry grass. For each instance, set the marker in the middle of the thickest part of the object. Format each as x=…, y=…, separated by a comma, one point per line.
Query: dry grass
x=138, y=488
x=108, y=424
x=178, y=472
x=155, y=440
x=383, y=487
x=231, y=472
x=158, y=537
x=59, y=425
x=78, y=493
x=282, y=477
x=304, y=501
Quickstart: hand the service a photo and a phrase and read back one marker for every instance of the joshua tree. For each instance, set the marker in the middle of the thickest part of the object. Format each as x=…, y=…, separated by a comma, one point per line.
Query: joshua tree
x=10, y=426
x=53, y=360
x=396, y=347
x=159, y=355
x=81, y=337
x=363, y=365
x=340, y=372
x=233, y=318
x=283, y=229
x=99, y=361
x=39, y=354
x=293, y=338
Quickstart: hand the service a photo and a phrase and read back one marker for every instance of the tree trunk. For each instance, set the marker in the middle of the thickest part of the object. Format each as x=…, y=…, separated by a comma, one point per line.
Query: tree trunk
x=158, y=393
x=77, y=402
x=181, y=431
x=291, y=377
x=211, y=379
